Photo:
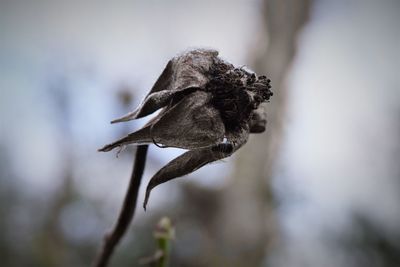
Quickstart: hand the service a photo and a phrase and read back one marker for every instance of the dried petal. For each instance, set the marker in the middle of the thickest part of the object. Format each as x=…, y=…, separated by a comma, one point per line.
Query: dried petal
x=191, y=123
x=151, y=104
x=139, y=137
x=182, y=165
x=186, y=70
x=195, y=159
x=189, y=70
x=165, y=80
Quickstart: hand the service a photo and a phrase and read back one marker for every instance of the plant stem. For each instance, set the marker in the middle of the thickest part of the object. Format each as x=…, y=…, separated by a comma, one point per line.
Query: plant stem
x=163, y=234
x=127, y=212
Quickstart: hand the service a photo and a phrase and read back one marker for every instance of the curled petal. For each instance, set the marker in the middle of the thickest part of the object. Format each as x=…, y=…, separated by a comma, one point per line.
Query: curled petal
x=189, y=124
x=152, y=103
x=192, y=123
x=188, y=70
x=165, y=80
x=195, y=159
x=139, y=137
x=191, y=68
x=182, y=165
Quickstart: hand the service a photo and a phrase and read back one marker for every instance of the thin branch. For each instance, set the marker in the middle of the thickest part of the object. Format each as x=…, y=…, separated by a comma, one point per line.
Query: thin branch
x=127, y=212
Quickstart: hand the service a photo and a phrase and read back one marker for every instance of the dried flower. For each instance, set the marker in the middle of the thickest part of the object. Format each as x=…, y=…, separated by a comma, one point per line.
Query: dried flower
x=208, y=107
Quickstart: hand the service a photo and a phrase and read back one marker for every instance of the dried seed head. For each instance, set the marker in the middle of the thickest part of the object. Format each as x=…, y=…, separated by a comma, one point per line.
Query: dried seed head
x=204, y=101
x=236, y=93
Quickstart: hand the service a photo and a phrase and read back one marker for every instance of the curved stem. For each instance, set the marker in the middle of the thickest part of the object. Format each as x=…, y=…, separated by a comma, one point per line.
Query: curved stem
x=127, y=212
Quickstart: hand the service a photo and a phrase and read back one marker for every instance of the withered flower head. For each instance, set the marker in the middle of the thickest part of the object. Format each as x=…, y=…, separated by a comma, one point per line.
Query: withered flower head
x=208, y=107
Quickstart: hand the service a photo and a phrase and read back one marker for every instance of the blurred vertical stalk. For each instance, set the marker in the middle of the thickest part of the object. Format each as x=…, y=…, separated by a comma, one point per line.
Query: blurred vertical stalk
x=253, y=225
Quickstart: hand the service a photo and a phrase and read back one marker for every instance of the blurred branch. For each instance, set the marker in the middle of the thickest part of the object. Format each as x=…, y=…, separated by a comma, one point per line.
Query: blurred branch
x=250, y=191
x=127, y=212
x=370, y=244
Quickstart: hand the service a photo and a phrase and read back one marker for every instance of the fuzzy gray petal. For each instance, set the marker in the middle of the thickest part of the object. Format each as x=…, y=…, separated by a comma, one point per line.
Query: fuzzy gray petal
x=192, y=123
x=165, y=80
x=182, y=165
x=139, y=137
x=195, y=159
x=188, y=70
x=189, y=124
x=152, y=103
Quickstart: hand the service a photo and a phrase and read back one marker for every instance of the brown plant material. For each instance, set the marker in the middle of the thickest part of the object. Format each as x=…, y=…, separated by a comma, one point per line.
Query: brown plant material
x=208, y=106
x=127, y=212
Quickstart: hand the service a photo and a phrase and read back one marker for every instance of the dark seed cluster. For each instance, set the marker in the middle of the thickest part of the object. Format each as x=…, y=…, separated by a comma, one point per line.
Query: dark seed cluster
x=236, y=92
x=261, y=86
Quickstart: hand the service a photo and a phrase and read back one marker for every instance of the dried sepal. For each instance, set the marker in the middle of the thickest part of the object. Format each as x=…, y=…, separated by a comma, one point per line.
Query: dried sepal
x=191, y=123
x=139, y=137
x=149, y=105
x=195, y=159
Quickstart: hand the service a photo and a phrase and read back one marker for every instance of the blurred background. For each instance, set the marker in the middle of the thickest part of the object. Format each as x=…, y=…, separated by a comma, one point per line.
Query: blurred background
x=320, y=188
